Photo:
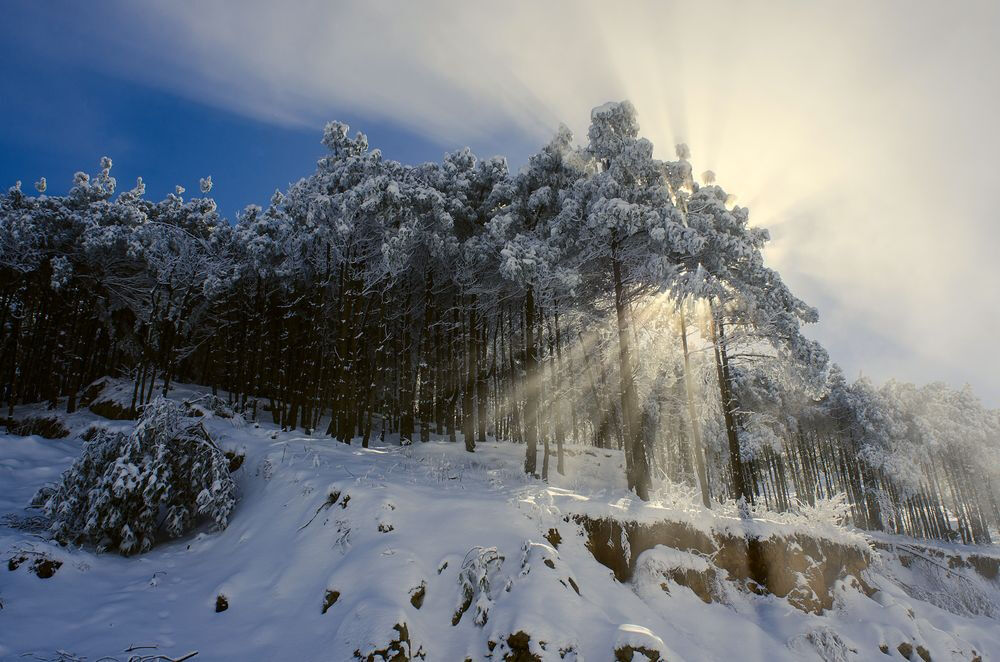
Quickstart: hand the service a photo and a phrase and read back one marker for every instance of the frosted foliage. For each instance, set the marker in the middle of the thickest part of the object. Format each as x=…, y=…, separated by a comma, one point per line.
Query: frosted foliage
x=920, y=423
x=125, y=491
x=481, y=581
x=612, y=126
x=62, y=271
x=600, y=242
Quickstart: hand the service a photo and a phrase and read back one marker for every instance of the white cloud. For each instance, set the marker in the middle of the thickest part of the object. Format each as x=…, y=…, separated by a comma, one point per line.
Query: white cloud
x=864, y=134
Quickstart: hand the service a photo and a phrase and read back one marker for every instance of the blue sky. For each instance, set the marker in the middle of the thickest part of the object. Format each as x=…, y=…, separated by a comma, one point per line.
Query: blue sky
x=862, y=135
x=64, y=106
x=164, y=138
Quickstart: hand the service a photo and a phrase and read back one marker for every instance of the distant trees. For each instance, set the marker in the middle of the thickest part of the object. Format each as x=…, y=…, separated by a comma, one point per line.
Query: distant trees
x=597, y=296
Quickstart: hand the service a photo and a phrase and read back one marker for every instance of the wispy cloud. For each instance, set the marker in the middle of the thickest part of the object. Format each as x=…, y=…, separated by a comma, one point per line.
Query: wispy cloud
x=864, y=134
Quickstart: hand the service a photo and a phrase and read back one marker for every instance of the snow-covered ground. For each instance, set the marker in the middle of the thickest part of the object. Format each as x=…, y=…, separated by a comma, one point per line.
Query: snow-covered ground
x=335, y=551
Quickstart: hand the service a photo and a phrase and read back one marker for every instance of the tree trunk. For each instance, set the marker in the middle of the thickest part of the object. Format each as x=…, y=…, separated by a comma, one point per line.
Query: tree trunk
x=729, y=407
x=696, y=443
x=530, y=391
x=637, y=465
x=560, y=413
x=469, y=393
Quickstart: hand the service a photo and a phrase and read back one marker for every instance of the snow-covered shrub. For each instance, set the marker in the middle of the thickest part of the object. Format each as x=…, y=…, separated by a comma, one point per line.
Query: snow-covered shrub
x=166, y=475
x=209, y=404
x=834, y=511
x=481, y=580
x=49, y=427
x=822, y=640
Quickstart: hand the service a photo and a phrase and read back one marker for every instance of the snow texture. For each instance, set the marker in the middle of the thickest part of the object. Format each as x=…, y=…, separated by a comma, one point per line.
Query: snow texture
x=376, y=526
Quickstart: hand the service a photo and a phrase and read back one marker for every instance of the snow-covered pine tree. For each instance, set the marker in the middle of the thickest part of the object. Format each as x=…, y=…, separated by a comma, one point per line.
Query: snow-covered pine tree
x=127, y=490
x=373, y=297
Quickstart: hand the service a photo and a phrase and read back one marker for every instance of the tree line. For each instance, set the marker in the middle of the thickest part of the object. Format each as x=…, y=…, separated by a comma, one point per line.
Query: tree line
x=598, y=296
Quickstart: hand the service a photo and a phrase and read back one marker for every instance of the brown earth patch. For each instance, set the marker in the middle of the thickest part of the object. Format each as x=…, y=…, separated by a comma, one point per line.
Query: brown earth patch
x=800, y=568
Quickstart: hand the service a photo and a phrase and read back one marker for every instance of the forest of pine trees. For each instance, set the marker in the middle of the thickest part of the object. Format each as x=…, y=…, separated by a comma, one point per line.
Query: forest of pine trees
x=599, y=296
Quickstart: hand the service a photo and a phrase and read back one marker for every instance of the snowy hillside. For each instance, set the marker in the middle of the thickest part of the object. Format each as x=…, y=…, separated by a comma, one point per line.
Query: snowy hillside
x=336, y=552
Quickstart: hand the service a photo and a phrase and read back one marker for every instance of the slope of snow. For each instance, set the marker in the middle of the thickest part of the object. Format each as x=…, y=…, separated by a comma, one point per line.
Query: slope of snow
x=389, y=528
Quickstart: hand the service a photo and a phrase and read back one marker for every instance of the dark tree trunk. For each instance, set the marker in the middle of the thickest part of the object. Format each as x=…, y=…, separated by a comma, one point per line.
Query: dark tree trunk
x=637, y=466
x=730, y=408
x=530, y=387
